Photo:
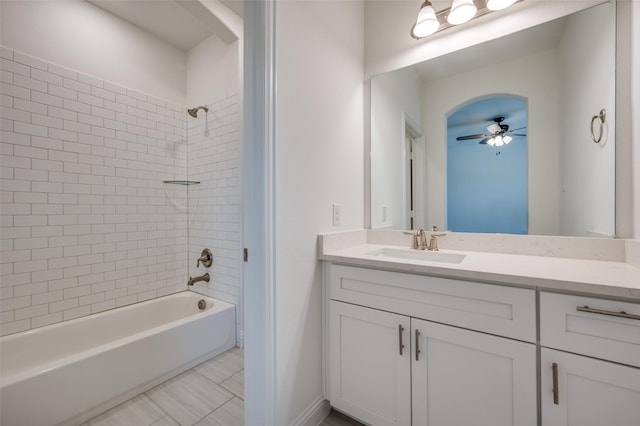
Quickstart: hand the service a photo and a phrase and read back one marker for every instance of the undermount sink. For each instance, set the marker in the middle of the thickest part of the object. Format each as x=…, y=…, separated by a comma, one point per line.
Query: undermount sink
x=422, y=255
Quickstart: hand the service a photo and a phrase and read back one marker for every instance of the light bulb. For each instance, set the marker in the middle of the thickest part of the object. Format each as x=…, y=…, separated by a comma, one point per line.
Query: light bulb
x=499, y=4
x=507, y=139
x=499, y=141
x=461, y=12
x=426, y=23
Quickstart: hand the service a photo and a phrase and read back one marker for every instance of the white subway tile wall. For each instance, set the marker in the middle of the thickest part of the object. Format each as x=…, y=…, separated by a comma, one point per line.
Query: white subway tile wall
x=86, y=222
x=214, y=204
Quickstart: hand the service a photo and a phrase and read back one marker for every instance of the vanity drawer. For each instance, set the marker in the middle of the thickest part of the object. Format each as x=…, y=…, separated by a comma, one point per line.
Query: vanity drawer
x=586, y=326
x=500, y=310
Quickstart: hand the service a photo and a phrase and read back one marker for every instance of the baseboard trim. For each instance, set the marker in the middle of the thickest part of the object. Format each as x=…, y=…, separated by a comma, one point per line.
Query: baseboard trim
x=314, y=414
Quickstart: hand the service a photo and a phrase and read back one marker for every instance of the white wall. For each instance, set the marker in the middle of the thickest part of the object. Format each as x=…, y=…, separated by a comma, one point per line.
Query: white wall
x=212, y=71
x=635, y=67
x=318, y=162
x=78, y=35
x=395, y=99
x=588, y=169
x=533, y=77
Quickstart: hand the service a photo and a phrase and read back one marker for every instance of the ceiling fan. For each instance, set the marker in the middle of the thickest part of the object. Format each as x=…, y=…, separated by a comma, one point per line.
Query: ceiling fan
x=499, y=133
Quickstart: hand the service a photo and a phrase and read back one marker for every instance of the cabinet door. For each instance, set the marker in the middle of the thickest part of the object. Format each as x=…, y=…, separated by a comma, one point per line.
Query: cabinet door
x=369, y=376
x=589, y=392
x=466, y=378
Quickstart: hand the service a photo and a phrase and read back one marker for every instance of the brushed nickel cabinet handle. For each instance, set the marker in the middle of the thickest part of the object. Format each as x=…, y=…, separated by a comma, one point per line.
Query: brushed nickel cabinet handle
x=417, y=344
x=621, y=314
x=554, y=369
x=400, y=330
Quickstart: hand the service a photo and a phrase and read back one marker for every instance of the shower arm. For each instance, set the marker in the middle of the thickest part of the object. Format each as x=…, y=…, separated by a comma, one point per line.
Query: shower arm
x=194, y=111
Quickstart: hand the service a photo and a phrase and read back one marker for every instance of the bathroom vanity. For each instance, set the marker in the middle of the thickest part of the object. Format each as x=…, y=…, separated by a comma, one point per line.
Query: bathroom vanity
x=475, y=338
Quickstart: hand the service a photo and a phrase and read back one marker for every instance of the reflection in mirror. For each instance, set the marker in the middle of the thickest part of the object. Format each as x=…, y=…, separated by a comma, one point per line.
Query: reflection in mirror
x=564, y=69
x=487, y=166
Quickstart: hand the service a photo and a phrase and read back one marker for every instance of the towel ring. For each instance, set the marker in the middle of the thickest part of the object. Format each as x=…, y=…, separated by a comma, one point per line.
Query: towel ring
x=601, y=118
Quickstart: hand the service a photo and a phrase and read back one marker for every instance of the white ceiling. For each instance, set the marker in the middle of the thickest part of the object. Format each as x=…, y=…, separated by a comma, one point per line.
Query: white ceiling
x=182, y=23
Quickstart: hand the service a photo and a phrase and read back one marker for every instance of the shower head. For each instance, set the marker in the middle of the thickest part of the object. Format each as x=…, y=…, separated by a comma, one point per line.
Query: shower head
x=194, y=111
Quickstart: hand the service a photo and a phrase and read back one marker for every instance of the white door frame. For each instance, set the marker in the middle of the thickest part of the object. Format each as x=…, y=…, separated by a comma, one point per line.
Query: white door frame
x=258, y=189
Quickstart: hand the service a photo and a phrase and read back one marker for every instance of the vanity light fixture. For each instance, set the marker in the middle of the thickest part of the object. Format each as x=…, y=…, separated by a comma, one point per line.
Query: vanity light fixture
x=429, y=21
x=461, y=11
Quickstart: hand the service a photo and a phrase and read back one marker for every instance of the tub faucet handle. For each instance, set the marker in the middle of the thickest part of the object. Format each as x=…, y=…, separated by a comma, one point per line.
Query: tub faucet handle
x=206, y=258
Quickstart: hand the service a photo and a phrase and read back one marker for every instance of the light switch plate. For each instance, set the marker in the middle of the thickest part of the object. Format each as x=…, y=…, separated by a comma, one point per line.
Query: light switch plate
x=337, y=214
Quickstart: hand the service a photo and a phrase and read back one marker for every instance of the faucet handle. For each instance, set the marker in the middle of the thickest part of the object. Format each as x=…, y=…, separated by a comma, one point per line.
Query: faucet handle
x=414, y=242
x=206, y=258
x=433, y=241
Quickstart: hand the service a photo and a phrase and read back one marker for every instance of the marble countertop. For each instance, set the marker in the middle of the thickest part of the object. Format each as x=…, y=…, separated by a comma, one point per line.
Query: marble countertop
x=596, y=277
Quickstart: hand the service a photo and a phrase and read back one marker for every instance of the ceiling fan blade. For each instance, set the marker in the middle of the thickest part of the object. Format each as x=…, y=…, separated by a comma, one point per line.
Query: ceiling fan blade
x=517, y=134
x=466, y=138
x=494, y=128
x=519, y=128
x=485, y=140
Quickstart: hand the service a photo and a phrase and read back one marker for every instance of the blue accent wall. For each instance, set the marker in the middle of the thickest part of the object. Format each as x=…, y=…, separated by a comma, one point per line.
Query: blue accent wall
x=486, y=192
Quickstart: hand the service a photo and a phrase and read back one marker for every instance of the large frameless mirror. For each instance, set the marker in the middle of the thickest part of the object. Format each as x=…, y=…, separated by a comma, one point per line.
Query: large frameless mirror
x=426, y=170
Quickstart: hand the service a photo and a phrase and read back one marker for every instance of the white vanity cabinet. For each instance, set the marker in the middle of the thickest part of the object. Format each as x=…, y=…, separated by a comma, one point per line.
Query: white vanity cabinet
x=590, y=361
x=370, y=376
x=465, y=378
x=409, y=349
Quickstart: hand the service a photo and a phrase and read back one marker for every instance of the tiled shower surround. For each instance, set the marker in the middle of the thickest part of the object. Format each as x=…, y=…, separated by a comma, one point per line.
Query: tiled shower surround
x=214, y=203
x=87, y=223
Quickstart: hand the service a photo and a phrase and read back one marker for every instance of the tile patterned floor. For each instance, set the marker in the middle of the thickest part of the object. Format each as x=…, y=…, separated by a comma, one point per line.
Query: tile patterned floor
x=210, y=394
x=338, y=419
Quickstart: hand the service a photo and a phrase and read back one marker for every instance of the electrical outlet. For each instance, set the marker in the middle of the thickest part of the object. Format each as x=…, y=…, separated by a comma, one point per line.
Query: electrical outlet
x=337, y=214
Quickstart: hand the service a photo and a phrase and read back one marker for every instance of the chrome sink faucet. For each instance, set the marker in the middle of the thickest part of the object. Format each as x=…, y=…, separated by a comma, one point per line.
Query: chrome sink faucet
x=419, y=241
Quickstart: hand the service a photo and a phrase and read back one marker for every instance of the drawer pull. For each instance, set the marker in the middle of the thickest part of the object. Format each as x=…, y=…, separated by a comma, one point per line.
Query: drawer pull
x=417, y=344
x=554, y=369
x=400, y=344
x=621, y=314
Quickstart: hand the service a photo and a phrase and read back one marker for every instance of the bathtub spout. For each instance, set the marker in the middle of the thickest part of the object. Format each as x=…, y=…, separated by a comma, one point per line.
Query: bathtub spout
x=194, y=280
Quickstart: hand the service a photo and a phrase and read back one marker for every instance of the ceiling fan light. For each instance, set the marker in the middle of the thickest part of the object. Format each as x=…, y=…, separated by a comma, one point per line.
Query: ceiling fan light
x=491, y=142
x=506, y=139
x=498, y=141
x=461, y=11
x=426, y=23
x=499, y=4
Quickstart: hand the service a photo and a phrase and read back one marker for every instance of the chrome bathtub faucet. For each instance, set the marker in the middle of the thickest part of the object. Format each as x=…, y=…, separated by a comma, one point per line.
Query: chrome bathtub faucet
x=194, y=280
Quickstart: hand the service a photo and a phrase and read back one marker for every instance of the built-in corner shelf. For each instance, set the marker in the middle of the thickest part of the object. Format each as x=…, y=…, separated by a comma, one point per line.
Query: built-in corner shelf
x=181, y=182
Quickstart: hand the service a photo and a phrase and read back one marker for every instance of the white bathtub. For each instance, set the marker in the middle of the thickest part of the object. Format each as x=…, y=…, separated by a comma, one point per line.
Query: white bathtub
x=67, y=373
